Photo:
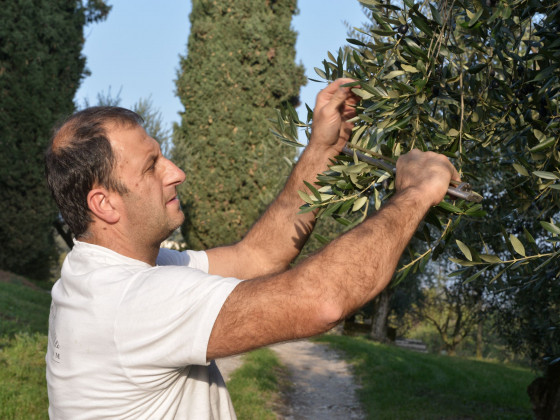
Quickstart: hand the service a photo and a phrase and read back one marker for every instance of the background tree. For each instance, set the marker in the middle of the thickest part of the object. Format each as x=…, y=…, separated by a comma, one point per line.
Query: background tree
x=454, y=308
x=239, y=67
x=41, y=66
x=479, y=82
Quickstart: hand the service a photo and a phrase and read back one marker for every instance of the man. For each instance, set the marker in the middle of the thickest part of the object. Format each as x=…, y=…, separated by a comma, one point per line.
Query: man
x=134, y=329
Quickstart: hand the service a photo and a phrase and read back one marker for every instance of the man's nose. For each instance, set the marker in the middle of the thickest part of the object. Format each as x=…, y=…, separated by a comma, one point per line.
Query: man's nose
x=174, y=174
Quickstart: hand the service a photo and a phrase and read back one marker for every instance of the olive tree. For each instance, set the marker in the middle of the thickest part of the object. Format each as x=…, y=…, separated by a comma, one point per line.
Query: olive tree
x=478, y=82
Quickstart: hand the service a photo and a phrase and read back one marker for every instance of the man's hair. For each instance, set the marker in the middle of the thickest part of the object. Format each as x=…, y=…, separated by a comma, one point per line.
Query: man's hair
x=79, y=157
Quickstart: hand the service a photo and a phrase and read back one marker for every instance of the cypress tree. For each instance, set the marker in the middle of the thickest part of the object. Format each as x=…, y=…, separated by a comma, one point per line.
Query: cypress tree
x=240, y=66
x=41, y=66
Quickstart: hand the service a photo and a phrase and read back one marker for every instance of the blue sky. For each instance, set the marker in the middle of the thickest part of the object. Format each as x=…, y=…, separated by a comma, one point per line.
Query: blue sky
x=136, y=50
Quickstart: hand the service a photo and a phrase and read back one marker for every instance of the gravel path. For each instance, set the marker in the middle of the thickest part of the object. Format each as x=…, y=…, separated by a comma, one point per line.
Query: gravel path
x=323, y=387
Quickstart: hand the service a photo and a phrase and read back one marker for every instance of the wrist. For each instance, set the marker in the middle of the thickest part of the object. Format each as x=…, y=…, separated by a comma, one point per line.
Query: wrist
x=322, y=152
x=416, y=197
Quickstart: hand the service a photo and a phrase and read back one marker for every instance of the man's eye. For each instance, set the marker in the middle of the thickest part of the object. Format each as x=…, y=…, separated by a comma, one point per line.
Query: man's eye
x=151, y=167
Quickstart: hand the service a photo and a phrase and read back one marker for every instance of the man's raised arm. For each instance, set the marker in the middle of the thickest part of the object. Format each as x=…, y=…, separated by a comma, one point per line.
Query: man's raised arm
x=279, y=235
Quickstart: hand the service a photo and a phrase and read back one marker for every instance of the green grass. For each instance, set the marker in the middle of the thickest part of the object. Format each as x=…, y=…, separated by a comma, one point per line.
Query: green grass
x=24, y=313
x=23, y=386
x=255, y=386
x=401, y=384
x=23, y=309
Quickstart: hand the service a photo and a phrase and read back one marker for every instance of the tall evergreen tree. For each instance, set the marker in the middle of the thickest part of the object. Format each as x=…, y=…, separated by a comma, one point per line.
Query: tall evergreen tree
x=41, y=66
x=239, y=67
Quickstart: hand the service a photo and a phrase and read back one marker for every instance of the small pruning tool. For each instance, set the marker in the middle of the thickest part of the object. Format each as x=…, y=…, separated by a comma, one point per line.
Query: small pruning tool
x=456, y=189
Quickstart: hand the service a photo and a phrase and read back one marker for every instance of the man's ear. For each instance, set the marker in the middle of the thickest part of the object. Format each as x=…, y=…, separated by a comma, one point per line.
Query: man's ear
x=100, y=204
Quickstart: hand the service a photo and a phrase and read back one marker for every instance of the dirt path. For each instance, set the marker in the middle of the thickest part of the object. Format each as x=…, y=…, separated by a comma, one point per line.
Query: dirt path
x=323, y=387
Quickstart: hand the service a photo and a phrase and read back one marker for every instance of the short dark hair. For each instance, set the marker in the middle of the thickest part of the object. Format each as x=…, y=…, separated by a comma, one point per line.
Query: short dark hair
x=80, y=156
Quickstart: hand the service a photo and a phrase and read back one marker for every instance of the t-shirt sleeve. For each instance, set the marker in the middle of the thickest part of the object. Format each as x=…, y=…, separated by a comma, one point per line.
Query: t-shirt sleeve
x=193, y=259
x=166, y=316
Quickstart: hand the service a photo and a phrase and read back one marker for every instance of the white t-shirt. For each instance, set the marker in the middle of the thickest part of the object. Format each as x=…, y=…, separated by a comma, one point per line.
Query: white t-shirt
x=128, y=340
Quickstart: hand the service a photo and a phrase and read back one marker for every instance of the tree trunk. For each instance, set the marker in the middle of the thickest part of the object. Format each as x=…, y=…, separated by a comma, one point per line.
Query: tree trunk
x=380, y=315
x=450, y=348
x=544, y=393
x=479, y=340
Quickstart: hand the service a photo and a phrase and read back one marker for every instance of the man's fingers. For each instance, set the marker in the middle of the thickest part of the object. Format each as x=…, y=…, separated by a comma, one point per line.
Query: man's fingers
x=428, y=171
x=454, y=174
x=334, y=92
x=342, y=102
x=332, y=87
x=335, y=105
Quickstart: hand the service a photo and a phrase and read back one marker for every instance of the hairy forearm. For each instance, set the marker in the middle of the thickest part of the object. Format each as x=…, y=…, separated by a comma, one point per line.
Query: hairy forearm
x=282, y=220
x=279, y=235
x=362, y=262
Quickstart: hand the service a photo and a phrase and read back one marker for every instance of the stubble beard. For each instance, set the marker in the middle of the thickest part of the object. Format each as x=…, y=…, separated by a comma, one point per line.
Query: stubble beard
x=172, y=227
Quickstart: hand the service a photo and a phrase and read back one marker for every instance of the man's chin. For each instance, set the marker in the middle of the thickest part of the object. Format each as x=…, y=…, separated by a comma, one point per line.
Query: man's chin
x=180, y=221
x=175, y=225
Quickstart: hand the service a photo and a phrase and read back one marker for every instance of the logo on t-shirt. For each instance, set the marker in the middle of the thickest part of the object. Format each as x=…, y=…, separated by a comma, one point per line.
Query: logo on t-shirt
x=54, y=344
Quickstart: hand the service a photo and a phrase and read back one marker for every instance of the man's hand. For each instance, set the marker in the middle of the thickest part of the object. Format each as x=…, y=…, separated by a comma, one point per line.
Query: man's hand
x=335, y=105
x=427, y=172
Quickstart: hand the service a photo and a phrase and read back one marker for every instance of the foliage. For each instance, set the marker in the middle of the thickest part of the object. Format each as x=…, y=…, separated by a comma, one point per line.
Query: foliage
x=399, y=383
x=255, y=387
x=529, y=317
x=105, y=99
x=239, y=67
x=478, y=82
x=41, y=66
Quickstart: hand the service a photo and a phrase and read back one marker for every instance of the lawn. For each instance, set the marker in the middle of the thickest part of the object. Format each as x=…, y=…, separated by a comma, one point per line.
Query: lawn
x=255, y=387
x=402, y=384
x=24, y=312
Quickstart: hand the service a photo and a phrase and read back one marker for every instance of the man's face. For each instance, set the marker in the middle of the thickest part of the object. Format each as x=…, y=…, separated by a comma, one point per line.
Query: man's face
x=151, y=210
